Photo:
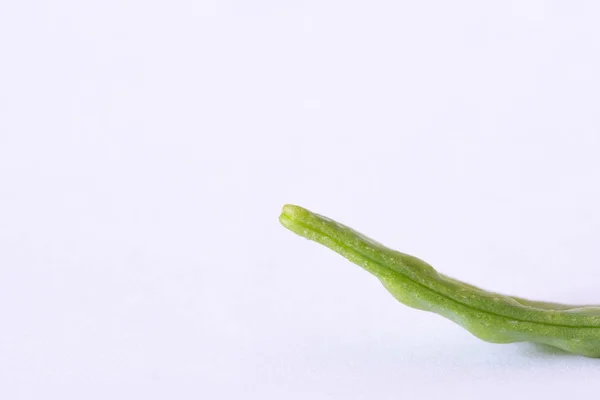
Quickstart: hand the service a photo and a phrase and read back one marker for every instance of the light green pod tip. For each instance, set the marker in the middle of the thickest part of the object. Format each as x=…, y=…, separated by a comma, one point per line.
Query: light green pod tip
x=492, y=317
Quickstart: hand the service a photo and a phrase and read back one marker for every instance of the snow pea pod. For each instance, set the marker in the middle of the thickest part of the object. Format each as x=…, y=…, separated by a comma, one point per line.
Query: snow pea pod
x=490, y=316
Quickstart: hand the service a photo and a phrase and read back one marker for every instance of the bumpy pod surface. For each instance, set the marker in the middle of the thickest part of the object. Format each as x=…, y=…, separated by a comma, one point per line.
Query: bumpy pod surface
x=492, y=317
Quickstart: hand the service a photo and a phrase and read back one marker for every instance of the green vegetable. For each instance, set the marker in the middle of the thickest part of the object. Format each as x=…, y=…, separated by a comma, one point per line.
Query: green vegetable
x=492, y=317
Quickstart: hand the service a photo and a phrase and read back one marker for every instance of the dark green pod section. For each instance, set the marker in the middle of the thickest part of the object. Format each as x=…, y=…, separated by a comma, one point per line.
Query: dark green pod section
x=490, y=316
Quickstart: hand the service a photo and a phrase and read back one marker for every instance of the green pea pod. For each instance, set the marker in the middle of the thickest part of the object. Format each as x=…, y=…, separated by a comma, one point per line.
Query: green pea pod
x=492, y=317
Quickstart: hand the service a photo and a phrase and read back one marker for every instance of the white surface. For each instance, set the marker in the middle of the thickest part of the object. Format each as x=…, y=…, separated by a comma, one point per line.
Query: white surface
x=146, y=149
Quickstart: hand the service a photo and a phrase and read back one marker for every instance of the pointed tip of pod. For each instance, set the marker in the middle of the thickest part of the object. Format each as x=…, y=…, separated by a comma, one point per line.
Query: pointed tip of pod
x=290, y=214
x=293, y=211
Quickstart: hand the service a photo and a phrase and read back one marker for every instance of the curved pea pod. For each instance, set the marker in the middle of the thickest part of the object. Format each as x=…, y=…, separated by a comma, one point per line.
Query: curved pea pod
x=492, y=317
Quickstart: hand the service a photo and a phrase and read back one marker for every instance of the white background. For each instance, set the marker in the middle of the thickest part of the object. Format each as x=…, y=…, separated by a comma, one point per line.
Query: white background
x=146, y=149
